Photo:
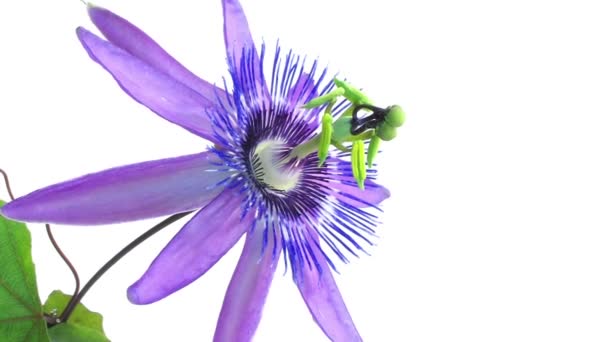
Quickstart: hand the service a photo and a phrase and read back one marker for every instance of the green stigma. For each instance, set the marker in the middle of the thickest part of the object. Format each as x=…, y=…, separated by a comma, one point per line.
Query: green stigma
x=395, y=116
x=386, y=132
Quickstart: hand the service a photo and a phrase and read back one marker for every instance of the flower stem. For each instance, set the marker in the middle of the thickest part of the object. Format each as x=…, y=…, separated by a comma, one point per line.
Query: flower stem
x=53, y=242
x=7, y=184
x=65, y=259
x=76, y=299
x=79, y=294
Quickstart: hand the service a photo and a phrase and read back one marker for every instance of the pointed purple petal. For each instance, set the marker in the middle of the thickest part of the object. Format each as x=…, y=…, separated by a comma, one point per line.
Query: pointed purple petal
x=325, y=302
x=127, y=36
x=154, y=89
x=247, y=291
x=237, y=36
x=348, y=192
x=238, y=40
x=127, y=193
x=194, y=250
x=345, y=187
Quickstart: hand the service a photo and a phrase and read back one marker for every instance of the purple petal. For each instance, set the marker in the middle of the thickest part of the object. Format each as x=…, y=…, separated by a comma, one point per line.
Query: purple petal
x=154, y=89
x=345, y=187
x=325, y=302
x=128, y=37
x=127, y=193
x=237, y=36
x=194, y=250
x=238, y=40
x=349, y=193
x=247, y=291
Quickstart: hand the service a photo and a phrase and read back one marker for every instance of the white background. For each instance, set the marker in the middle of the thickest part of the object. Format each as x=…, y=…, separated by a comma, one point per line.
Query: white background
x=497, y=227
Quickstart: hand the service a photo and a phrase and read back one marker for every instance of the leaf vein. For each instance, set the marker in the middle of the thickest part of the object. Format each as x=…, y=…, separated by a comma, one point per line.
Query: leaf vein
x=22, y=318
x=16, y=296
x=12, y=243
x=29, y=332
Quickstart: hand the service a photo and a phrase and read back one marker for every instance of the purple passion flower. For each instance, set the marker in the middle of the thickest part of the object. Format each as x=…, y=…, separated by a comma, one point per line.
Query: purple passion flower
x=306, y=212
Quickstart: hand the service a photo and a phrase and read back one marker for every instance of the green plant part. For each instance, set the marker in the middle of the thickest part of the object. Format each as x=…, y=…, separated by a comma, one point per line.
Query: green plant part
x=352, y=94
x=358, y=163
x=326, y=133
x=372, y=150
x=378, y=124
x=327, y=98
x=395, y=116
x=386, y=132
x=21, y=316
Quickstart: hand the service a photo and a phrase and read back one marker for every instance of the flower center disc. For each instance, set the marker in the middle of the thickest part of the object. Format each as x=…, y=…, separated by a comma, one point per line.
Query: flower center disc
x=270, y=170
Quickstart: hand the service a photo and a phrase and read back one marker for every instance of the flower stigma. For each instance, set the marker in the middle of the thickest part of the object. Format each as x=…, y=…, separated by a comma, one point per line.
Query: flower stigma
x=376, y=124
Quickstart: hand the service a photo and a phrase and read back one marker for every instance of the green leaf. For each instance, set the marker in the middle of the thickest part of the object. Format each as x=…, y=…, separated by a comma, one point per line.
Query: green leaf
x=83, y=325
x=21, y=317
x=75, y=333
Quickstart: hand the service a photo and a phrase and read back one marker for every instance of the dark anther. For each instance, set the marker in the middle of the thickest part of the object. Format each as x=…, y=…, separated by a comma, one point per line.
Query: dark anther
x=360, y=125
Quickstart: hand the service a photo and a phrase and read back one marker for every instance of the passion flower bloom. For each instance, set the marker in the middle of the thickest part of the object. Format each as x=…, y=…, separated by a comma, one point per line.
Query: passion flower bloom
x=242, y=184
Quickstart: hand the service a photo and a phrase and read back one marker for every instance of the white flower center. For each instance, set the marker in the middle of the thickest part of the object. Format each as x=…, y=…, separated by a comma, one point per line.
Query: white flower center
x=270, y=170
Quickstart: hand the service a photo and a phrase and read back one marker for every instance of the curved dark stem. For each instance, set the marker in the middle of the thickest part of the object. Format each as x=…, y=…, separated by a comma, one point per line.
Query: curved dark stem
x=51, y=237
x=65, y=259
x=8, y=185
x=76, y=299
x=78, y=294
